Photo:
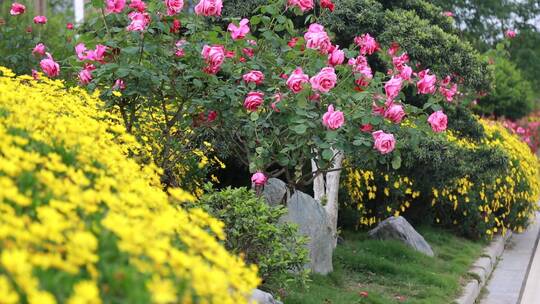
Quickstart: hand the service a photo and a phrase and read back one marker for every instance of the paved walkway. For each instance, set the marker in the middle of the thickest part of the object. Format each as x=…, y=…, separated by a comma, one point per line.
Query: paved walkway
x=531, y=291
x=507, y=281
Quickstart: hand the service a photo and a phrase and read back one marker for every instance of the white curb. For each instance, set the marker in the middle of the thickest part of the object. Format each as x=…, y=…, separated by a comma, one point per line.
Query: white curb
x=482, y=269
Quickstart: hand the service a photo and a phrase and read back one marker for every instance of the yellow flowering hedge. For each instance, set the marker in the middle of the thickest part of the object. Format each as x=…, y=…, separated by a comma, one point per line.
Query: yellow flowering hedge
x=478, y=187
x=81, y=223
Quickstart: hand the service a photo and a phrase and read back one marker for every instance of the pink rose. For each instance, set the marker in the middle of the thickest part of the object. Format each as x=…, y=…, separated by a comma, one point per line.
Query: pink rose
x=324, y=81
x=180, y=48
x=253, y=101
x=399, y=61
x=139, y=21
x=510, y=34
x=69, y=26
x=384, y=142
x=277, y=99
x=214, y=56
x=304, y=5
x=361, y=83
x=212, y=115
x=394, y=47
x=98, y=54
x=328, y=4
x=240, y=31
x=406, y=72
x=17, y=9
x=39, y=49
x=80, y=49
x=209, y=8
x=297, y=80
x=256, y=77
x=392, y=87
x=361, y=66
x=333, y=119
x=448, y=14
x=447, y=89
x=174, y=6
x=85, y=75
x=175, y=26
x=259, y=179
x=292, y=42
x=366, y=128
x=248, y=52
x=394, y=113
x=367, y=44
x=336, y=56
x=229, y=54
x=317, y=39
x=438, y=121
x=40, y=19
x=377, y=110
x=119, y=85
x=139, y=5
x=115, y=6
x=49, y=66
x=426, y=83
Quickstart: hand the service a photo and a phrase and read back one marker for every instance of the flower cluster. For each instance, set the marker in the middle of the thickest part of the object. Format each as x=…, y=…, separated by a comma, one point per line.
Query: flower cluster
x=83, y=223
x=528, y=129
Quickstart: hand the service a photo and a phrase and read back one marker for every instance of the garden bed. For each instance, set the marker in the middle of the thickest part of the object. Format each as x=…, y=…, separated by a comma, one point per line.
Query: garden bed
x=369, y=271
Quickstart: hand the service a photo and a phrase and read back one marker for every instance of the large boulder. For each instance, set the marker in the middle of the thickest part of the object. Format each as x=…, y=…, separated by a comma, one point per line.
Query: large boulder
x=275, y=192
x=397, y=228
x=260, y=297
x=310, y=217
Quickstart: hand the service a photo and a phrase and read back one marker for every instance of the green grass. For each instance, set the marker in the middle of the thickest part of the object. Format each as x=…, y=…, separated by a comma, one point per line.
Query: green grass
x=387, y=270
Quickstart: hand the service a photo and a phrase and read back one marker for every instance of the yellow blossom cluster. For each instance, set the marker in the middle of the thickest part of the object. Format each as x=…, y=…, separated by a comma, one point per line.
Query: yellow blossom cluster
x=82, y=223
x=506, y=202
x=362, y=186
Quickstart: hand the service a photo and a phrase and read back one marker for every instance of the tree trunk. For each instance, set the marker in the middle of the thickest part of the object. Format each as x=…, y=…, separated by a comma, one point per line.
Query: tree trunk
x=326, y=187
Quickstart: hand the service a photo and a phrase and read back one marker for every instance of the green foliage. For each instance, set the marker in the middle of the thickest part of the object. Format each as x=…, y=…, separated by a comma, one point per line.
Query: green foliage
x=484, y=21
x=386, y=269
x=463, y=121
x=417, y=25
x=512, y=94
x=524, y=51
x=253, y=230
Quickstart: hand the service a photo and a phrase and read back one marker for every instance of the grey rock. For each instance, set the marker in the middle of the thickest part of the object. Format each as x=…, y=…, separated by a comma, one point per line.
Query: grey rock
x=275, y=192
x=310, y=217
x=261, y=297
x=398, y=228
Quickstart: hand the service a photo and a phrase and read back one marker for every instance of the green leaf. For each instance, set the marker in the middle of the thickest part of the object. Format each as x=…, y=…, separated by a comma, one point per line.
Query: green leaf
x=327, y=154
x=197, y=83
x=255, y=20
x=254, y=116
x=396, y=162
x=299, y=129
x=131, y=50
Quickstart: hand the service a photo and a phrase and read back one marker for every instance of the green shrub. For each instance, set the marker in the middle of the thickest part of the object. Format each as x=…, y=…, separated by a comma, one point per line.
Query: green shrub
x=253, y=230
x=512, y=95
